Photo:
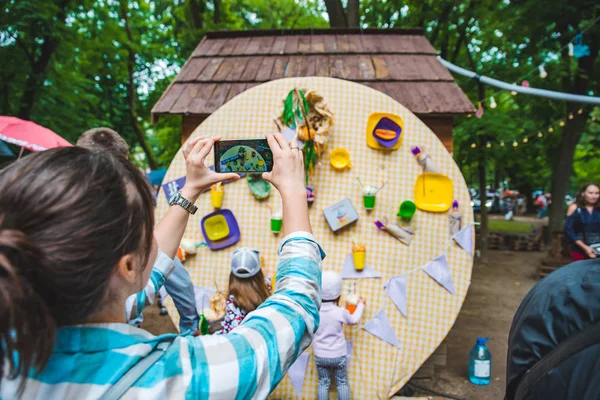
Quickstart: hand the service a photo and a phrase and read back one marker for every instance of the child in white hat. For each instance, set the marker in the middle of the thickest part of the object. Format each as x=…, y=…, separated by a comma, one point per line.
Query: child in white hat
x=247, y=288
x=329, y=343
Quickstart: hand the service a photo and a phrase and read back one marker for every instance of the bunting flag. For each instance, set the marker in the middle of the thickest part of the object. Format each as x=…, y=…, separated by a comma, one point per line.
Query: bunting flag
x=464, y=239
x=203, y=297
x=439, y=270
x=396, y=290
x=348, y=271
x=380, y=327
x=297, y=372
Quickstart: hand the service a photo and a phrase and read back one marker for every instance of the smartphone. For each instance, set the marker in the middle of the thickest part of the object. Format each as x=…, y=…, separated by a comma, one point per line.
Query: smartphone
x=243, y=155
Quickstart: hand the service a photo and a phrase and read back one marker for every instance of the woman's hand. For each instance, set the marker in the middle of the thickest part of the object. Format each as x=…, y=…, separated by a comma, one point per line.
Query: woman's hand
x=591, y=253
x=198, y=176
x=288, y=167
x=362, y=300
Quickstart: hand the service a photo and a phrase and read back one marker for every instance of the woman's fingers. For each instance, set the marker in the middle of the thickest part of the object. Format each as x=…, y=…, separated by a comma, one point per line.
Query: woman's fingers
x=267, y=176
x=189, y=145
x=283, y=143
x=208, y=145
x=221, y=177
x=273, y=144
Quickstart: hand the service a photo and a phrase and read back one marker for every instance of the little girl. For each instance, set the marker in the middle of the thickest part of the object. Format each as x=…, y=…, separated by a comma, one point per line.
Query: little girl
x=329, y=343
x=247, y=288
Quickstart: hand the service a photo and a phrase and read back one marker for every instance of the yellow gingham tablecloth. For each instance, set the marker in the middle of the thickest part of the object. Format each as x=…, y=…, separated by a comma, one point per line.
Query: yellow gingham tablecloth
x=377, y=369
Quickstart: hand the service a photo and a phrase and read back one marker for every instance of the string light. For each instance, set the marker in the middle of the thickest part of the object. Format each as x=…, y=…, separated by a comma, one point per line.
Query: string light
x=473, y=145
x=488, y=145
x=493, y=102
x=593, y=118
x=502, y=143
x=515, y=143
x=543, y=72
x=540, y=134
x=562, y=123
x=551, y=129
x=525, y=140
x=580, y=111
x=571, y=116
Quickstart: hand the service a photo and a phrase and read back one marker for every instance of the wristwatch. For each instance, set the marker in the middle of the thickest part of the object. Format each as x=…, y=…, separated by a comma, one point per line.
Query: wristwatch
x=184, y=203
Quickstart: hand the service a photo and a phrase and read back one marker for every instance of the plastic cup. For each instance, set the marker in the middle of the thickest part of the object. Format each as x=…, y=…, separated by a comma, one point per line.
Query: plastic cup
x=216, y=198
x=369, y=202
x=359, y=257
x=351, y=308
x=276, y=223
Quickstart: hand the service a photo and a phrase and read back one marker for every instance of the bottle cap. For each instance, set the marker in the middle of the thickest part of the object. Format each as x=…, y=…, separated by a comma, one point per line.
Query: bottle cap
x=482, y=341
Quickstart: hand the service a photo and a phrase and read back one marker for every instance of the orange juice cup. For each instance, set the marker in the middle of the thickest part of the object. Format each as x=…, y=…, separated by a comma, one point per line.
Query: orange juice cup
x=216, y=196
x=359, y=257
x=351, y=308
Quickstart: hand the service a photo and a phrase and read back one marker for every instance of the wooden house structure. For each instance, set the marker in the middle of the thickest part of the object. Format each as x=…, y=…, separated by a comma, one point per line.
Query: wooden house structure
x=398, y=62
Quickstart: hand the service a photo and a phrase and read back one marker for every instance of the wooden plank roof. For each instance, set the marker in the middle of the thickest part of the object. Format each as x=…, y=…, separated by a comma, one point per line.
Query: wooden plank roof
x=399, y=62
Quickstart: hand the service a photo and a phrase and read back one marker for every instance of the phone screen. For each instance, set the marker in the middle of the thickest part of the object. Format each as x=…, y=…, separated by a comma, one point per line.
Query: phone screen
x=243, y=155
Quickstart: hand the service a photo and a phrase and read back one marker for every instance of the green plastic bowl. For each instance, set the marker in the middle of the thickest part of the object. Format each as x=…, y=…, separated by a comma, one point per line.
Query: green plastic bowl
x=407, y=209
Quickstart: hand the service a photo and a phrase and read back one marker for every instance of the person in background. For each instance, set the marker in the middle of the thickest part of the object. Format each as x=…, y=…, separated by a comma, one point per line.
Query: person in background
x=247, y=288
x=71, y=253
x=582, y=225
x=178, y=283
x=542, y=203
x=329, y=344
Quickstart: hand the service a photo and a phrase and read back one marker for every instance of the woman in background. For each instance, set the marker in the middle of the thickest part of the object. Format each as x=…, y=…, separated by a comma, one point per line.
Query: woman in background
x=582, y=224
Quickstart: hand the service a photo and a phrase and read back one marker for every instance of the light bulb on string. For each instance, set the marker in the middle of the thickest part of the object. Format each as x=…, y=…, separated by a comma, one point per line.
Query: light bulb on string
x=469, y=115
x=551, y=129
x=525, y=140
x=514, y=92
x=571, y=116
x=543, y=72
x=580, y=111
x=515, y=143
x=540, y=134
x=593, y=118
x=473, y=145
x=562, y=123
x=493, y=102
x=488, y=145
x=570, y=49
x=502, y=143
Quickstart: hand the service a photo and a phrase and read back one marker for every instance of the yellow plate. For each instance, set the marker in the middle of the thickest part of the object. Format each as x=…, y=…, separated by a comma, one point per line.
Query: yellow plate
x=216, y=227
x=339, y=159
x=372, y=123
x=433, y=192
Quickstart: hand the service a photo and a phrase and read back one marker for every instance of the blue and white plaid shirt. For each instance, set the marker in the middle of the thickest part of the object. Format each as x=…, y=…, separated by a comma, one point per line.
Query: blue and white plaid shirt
x=247, y=363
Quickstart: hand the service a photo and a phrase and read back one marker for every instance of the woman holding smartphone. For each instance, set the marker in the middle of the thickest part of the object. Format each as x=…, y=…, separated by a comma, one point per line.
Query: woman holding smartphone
x=76, y=239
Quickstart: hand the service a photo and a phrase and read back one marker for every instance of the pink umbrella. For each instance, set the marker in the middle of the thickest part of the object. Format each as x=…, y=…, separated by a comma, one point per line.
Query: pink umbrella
x=29, y=135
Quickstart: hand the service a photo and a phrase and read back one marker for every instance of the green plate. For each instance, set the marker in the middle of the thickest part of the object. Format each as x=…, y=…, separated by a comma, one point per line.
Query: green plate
x=260, y=188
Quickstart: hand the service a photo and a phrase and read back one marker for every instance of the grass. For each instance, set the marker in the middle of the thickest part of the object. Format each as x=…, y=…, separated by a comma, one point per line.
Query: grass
x=502, y=226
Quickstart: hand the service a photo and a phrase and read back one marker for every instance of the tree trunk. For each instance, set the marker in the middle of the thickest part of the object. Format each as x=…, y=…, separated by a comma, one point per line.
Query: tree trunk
x=36, y=77
x=423, y=13
x=337, y=16
x=196, y=11
x=572, y=130
x=483, y=213
x=131, y=92
x=353, y=12
x=441, y=22
x=217, y=14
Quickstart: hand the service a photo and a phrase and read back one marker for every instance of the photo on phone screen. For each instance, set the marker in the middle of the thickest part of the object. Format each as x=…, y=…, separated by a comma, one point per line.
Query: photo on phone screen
x=243, y=155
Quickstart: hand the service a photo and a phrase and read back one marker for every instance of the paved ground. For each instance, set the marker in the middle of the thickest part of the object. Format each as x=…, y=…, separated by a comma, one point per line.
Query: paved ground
x=494, y=295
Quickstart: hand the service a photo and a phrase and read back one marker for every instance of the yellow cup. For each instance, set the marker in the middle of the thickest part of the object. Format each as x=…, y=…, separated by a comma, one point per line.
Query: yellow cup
x=216, y=197
x=359, y=257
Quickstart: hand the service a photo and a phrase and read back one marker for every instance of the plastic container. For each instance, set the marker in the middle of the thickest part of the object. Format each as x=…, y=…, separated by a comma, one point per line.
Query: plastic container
x=425, y=161
x=480, y=363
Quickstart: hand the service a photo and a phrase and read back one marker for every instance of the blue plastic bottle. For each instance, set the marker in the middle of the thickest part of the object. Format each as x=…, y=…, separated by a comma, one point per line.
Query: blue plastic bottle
x=480, y=363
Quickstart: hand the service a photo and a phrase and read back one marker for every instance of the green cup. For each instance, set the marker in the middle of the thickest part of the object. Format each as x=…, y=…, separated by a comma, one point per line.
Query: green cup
x=407, y=210
x=276, y=224
x=369, y=202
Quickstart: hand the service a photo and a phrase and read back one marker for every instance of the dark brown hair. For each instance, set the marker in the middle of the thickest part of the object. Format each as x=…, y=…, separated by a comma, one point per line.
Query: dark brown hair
x=104, y=139
x=580, y=200
x=67, y=216
x=248, y=293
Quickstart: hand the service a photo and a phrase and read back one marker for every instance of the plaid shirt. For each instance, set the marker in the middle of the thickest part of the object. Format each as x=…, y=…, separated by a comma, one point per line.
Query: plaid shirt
x=247, y=363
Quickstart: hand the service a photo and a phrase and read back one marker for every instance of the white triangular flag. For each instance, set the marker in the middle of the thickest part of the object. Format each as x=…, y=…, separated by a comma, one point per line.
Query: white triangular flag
x=297, y=373
x=464, y=239
x=380, y=327
x=439, y=270
x=396, y=289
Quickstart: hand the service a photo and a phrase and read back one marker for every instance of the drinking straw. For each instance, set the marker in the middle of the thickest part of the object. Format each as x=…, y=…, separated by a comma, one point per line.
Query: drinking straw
x=360, y=183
